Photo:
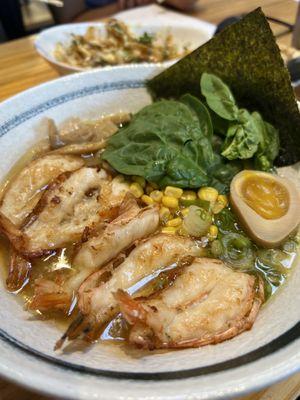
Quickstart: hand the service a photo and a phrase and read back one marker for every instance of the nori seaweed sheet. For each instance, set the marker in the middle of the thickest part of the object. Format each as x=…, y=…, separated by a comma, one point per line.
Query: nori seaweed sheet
x=245, y=55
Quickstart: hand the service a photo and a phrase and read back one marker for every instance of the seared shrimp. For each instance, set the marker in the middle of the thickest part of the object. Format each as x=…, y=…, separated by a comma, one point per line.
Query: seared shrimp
x=73, y=204
x=132, y=224
x=207, y=303
x=97, y=303
x=79, y=137
x=26, y=189
x=68, y=206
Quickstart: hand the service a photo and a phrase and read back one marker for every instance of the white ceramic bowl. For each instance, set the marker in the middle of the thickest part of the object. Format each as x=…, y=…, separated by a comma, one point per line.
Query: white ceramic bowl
x=250, y=361
x=183, y=35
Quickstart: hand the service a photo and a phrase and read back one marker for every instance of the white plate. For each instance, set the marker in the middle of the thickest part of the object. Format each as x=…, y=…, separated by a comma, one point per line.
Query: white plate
x=183, y=35
x=262, y=356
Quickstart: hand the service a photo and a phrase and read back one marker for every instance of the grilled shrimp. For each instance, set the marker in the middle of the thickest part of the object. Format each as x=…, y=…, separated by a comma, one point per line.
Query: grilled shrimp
x=78, y=136
x=97, y=303
x=71, y=205
x=25, y=190
x=68, y=206
x=133, y=223
x=207, y=303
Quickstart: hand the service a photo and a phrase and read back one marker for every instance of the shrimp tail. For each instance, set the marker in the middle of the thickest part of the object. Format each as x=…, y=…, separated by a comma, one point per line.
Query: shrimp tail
x=80, y=328
x=140, y=333
x=131, y=309
x=49, y=296
x=19, y=270
x=70, y=332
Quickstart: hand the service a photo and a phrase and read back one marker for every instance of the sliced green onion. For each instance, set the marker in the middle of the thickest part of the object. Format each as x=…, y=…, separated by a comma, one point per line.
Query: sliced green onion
x=238, y=250
x=197, y=202
x=197, y=221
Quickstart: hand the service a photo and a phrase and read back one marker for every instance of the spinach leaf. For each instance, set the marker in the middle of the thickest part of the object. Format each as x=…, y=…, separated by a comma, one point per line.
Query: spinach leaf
x=268, y=148
x=202, y=113
x=218, y=96
x=241, y=141
x=223, y=174
x=246, y=135
x=165, y=144
x=169, y=143
x=220, y=125
x=272, y=142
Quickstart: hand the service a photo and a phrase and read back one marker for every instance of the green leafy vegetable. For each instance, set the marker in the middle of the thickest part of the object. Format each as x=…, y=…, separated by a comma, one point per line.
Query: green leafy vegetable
x=202, y=114
x=247, y=134
x=220, y=125
x=246, y=57
x=218, y=96
x=268, y=147
x=222, y=175
x=167, y=144
x=241, y=141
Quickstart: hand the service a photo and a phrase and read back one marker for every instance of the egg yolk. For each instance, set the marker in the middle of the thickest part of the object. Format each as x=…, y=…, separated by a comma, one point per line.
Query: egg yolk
x=265, y=196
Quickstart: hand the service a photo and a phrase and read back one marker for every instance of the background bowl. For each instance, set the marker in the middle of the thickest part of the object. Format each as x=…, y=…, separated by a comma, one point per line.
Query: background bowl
x=260, y=357
x=45, y=42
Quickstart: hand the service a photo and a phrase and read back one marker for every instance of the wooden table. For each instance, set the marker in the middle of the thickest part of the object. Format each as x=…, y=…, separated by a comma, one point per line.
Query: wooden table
x=21, y=68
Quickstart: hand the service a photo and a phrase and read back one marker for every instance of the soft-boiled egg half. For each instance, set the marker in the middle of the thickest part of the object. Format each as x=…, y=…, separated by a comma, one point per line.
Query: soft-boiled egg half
x=268, y=206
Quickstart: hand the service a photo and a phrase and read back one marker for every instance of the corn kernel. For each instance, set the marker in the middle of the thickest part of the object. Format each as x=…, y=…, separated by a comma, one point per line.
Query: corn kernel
x=136, y=189
x=149, y=189
x=188, y=195
x=169, y=201
x=208, y=194
x=184, y=211
x=164, y=213
x=147, y=200
x=156, y=195
x=221, y=203
x=173, y=191
x=174, y=222
x=217, y=207
x=223, y=199
x=213, y=232
x=169, y=229
x=140, y=180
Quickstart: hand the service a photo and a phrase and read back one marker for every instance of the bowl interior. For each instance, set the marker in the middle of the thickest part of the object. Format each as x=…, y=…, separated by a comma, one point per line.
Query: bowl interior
x=21, y=125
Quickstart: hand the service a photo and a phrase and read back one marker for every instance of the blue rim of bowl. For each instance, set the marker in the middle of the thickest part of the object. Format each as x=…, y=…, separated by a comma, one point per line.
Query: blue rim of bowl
x=276, y=344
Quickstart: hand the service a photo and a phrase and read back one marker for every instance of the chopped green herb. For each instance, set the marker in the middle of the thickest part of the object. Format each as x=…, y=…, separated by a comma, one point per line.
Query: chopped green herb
x=146, y=38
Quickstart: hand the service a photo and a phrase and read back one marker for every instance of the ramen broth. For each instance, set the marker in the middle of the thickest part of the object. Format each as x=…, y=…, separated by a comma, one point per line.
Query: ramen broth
x=57, y=265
